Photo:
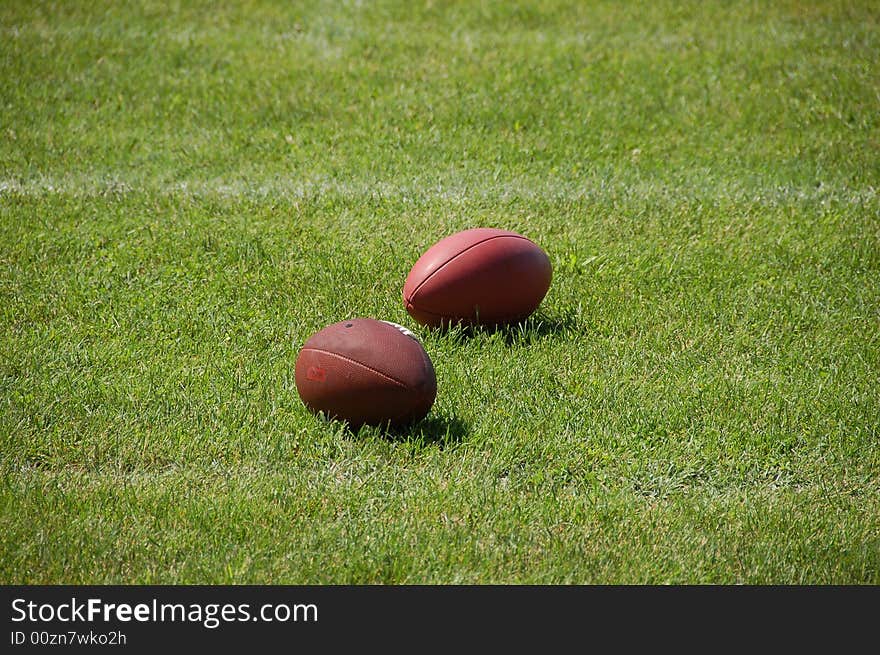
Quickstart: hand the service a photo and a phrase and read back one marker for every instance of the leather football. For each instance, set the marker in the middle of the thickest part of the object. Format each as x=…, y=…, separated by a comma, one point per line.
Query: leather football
x=366, y=372
x=481, y=276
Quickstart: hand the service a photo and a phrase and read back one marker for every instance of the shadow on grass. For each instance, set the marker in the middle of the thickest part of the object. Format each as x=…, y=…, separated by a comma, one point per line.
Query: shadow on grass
x=530, y=330
x=431, y=431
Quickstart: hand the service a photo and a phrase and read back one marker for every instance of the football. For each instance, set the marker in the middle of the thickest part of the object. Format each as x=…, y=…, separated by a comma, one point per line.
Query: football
x=481, y=276
x=366, y=372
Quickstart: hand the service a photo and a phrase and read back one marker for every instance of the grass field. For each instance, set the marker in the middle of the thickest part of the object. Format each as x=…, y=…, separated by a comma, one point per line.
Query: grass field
x=188, y=191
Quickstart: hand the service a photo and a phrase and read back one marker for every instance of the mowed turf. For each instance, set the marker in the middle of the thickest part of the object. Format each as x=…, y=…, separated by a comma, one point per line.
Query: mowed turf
x=188, y=191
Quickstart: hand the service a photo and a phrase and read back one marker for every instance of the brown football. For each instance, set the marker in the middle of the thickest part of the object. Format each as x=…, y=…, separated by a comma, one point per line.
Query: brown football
x=482, y=276
x=366, y=372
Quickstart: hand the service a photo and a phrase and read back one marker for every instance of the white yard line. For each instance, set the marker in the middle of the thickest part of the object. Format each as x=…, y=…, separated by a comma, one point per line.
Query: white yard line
x=416, y=192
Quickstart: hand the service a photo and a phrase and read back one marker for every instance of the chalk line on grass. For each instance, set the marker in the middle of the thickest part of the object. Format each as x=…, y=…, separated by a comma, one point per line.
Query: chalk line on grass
x=415, y=190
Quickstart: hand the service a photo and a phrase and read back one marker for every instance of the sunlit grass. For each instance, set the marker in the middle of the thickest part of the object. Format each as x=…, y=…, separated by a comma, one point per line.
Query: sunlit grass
x=188, y=192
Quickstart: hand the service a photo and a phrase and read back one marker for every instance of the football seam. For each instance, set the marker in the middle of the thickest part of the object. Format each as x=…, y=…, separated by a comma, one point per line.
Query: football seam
x=361, y=364
x=459, y=254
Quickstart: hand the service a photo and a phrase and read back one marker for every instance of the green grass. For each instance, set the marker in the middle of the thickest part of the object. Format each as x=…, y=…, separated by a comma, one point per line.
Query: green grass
x=188, y=191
